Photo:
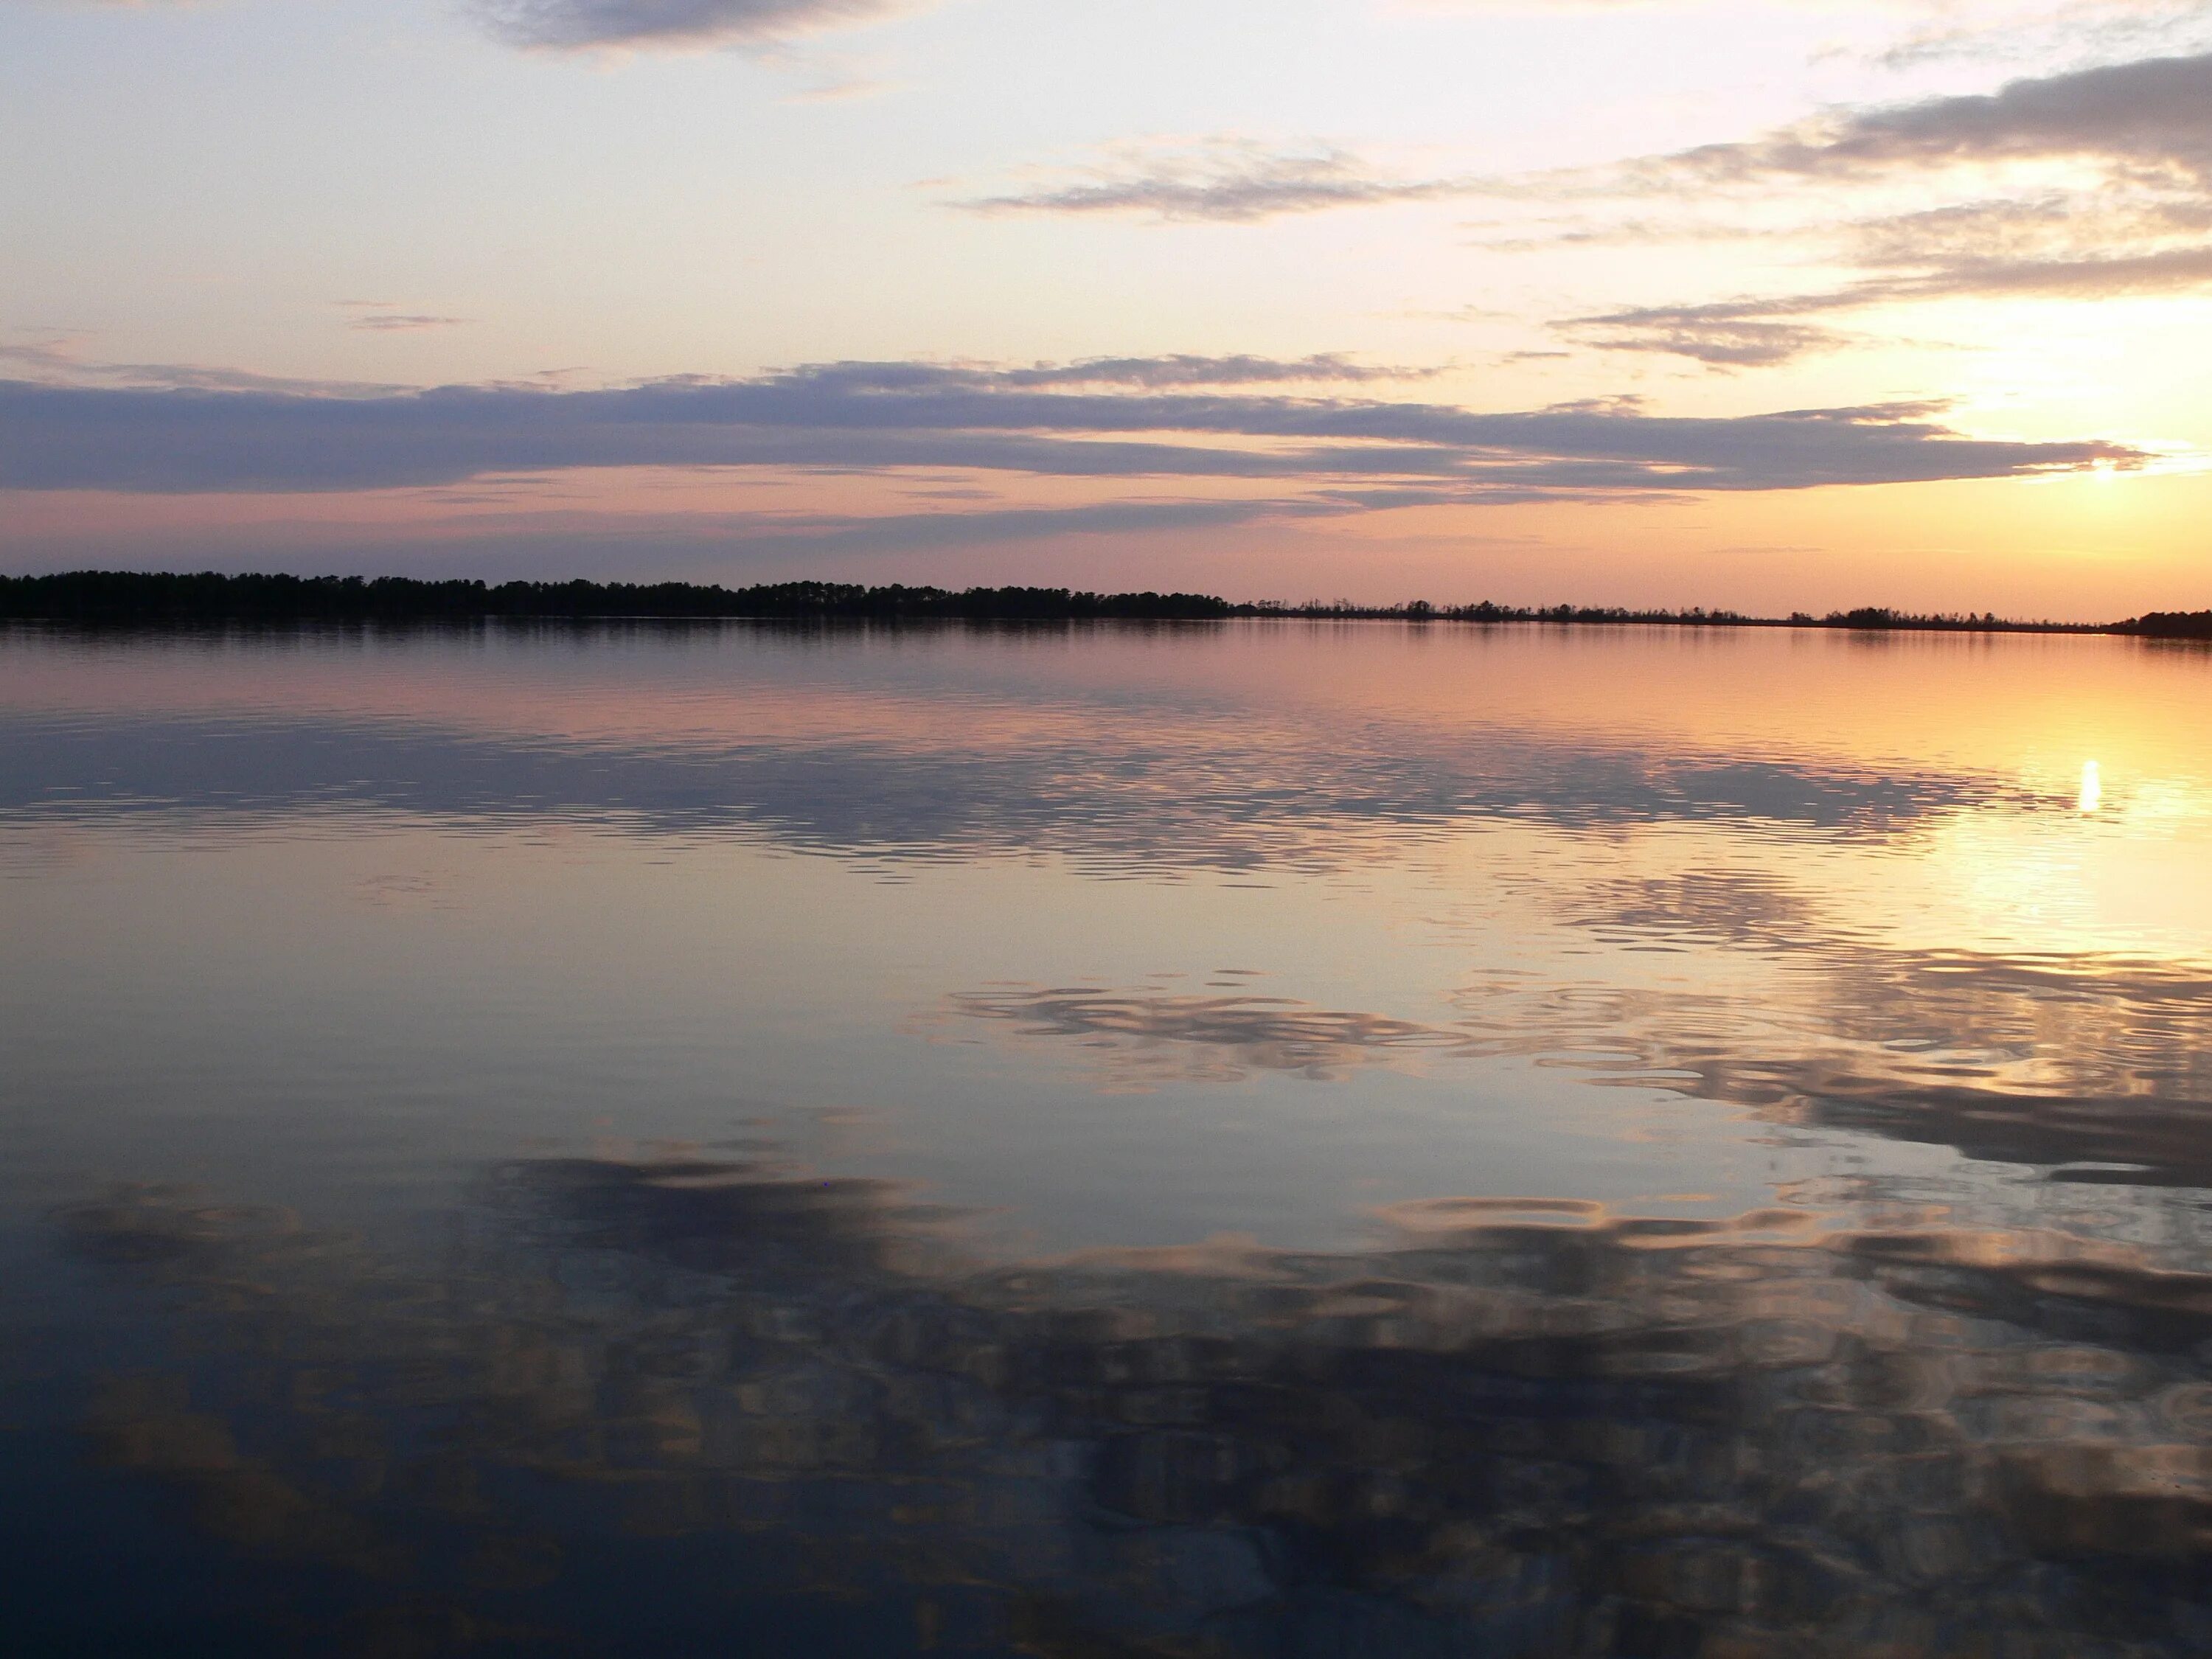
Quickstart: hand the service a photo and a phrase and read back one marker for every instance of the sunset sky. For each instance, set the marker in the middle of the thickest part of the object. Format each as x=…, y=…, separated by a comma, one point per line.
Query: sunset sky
x=1767, y=306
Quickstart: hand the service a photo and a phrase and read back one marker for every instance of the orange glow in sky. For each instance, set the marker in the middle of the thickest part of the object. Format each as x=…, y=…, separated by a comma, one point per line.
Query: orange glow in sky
x=1684, y=303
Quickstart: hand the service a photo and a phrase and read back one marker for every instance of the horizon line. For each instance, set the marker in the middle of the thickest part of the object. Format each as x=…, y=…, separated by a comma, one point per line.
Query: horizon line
x=170, y=598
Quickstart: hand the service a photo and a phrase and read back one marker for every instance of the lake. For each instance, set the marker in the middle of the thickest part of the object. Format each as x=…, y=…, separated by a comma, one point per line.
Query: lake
x=1270, y=1139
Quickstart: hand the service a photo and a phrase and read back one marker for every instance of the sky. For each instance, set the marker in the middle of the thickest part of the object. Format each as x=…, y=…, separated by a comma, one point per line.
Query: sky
x=1665, y=302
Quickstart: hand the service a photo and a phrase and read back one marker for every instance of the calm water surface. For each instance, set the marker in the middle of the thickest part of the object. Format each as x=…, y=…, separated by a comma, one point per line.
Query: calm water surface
x=1266, y=1140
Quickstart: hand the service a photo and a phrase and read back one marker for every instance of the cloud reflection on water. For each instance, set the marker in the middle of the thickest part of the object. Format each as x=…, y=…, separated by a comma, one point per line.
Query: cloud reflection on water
x=1522, y=1426
x=2094, y=1067
x=2040, y=1058
x=1900, y=1403
x=1114, y=801
x=1206, y=1039
x=2060, y=1057
x=950, y=748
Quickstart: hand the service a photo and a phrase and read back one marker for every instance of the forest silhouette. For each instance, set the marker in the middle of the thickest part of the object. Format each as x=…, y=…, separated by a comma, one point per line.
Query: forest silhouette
x=143, y=599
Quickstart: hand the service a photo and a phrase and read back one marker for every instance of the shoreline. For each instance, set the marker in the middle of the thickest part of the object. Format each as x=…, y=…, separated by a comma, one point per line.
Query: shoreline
x=160, y=600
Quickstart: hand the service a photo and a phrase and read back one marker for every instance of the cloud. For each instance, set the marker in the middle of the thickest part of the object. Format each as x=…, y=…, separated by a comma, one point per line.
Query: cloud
x=2147, y=125
x=2155, y=114
x=1759, y=332
x=1226, y=181
x=2053, y=223
x=1724, y=334
x=1183, y=370
x=577, y=24
x=383, y=317
x=1170, y=370
x=2167, y=272
x=2107, y=28
x=58, y=361
x=403, y=322
x=583, y=25
x=873, y=417
x=2138, y=227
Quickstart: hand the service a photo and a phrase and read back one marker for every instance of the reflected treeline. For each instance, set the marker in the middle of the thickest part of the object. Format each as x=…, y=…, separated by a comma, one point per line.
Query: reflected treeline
x=1104, y=789
x=666, y=1406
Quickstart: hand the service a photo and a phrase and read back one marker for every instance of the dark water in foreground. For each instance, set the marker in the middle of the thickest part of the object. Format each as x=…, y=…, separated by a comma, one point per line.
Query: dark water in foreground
x=1264, y=1140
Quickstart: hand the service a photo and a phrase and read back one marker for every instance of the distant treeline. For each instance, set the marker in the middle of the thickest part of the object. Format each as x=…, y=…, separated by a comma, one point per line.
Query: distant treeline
x=2170, y=625
x=115, y=596
x=133, y=598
